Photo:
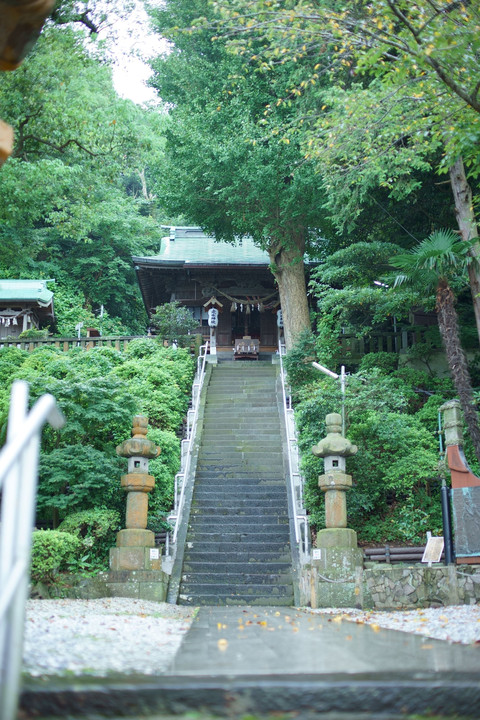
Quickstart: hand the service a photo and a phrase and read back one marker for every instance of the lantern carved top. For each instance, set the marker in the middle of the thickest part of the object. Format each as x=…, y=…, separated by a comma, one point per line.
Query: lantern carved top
x=138, y=445
x=334, y=443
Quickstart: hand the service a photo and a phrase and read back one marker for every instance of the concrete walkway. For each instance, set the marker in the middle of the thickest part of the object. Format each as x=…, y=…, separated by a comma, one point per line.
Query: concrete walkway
x=236, y=641
x=242, y=660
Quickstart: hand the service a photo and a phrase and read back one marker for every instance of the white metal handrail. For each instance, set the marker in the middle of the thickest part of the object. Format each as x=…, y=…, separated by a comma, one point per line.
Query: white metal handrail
x=302, y=531
x=187, y=447
x=18, y=486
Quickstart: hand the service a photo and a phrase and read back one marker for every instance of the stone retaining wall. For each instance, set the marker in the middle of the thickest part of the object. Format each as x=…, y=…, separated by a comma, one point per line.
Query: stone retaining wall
x=388, y=587
x=140, y=584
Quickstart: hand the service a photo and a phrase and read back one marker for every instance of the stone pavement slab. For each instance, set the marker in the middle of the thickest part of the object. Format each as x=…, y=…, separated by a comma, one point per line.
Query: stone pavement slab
x=234, y=641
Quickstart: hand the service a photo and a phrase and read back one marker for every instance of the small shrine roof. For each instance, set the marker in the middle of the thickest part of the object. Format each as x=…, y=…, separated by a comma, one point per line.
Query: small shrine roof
x=27, y=291
x=191, y=246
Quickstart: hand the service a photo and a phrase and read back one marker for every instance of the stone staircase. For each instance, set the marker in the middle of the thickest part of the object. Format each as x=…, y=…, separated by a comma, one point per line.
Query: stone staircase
x=237, y=547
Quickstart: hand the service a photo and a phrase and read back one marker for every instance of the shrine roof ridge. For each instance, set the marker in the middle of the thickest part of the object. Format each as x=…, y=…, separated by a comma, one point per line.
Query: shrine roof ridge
x=191, y=246
x=25, y=290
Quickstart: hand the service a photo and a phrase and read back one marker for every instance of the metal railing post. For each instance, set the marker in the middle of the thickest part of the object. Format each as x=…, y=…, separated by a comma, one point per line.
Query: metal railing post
x=18, y=479
x=302, y=533
x=187, y=446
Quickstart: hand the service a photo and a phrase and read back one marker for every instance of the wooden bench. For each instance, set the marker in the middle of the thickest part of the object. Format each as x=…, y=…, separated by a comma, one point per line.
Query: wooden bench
x=246, y=349
x=390, y=554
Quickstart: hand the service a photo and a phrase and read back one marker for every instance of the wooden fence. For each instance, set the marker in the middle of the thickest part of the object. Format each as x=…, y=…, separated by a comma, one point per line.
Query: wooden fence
x=67, y=343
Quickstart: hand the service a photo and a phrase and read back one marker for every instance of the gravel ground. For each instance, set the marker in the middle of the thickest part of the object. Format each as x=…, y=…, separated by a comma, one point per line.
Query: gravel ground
x=122, y=635
x=98, y=637
x=455, y=623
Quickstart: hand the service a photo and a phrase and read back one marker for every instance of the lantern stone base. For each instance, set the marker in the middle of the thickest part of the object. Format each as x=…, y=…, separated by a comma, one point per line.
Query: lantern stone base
x=339, y=554
x=133, y=558
x=336, y=538
x=133, y=551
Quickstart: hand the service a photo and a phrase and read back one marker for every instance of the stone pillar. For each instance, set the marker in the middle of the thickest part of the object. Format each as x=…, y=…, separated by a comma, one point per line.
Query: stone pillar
x=339, y=553
x=133, y=543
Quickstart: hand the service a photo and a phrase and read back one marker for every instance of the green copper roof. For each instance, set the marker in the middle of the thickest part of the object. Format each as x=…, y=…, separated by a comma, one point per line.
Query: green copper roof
x=29, y=290
x=190, y=246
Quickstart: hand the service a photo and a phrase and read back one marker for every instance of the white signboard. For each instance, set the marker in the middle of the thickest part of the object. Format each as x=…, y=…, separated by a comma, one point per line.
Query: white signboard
x=433, y=550
x=154, y=553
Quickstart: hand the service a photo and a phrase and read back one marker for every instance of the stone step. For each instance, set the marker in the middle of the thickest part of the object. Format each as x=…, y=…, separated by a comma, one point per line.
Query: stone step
x=248, y=548
x=222, y=489
x=238, y=427
x=227, y=536
x=239, y=578
x=211, y=503
x=207, y=567
x=235, y=387
x=252, y=458
x=237, y=600
x=227, y=405
x=270, y=529
x=249, y=514
x=234, y=476
x=241, y=590
x=253, y=447
x=256, y=494
x=212, y=435
x=245, y=467
x=260, y=557
x=222, y=480
x=229, y=449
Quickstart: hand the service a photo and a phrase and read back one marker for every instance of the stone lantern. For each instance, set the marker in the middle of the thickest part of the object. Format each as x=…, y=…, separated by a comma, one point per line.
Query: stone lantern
x=134, y=543
x=337, y=543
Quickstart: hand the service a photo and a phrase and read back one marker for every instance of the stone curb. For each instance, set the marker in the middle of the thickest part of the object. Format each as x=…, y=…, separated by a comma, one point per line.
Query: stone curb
x=402, y=693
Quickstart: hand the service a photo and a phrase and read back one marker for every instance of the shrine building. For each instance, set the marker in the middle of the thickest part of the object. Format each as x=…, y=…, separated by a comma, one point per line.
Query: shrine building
x=24, y=305
x=202, y=274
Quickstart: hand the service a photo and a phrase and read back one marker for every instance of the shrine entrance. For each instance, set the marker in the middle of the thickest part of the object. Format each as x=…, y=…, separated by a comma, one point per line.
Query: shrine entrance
x=246, y=321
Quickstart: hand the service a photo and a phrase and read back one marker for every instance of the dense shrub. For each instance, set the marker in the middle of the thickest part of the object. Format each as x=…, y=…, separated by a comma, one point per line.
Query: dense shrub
x=392, y=415
x=96, y=529
x=99, y=391
x=52, y=552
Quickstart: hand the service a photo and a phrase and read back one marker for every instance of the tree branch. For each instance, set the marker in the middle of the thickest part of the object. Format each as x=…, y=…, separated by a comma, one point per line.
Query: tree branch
x=58, y=148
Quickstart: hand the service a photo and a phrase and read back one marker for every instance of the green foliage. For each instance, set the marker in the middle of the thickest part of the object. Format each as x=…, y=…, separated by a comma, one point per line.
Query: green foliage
x=174, y=322
x=52, y=551
x=99, y=391
x=75, y=477
x=164, y=468
x=298, y=361
x=67, y=211
x=96, y=529
x=396, y=467
x=382, y=361
x=33, y=333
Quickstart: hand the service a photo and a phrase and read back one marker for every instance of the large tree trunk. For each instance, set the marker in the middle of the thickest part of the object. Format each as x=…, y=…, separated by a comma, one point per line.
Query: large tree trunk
x=448, y=325
x=467, y=224
x=289, y=271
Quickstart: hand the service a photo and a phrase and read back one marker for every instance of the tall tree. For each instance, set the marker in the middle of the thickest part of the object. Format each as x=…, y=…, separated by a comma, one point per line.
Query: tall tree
x=435, y=265
x=404, y=93
x=70, y=209
x=225, y=173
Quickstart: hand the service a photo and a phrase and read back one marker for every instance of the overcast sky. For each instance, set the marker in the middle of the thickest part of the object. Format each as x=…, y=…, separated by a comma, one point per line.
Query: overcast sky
x=135, y=44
